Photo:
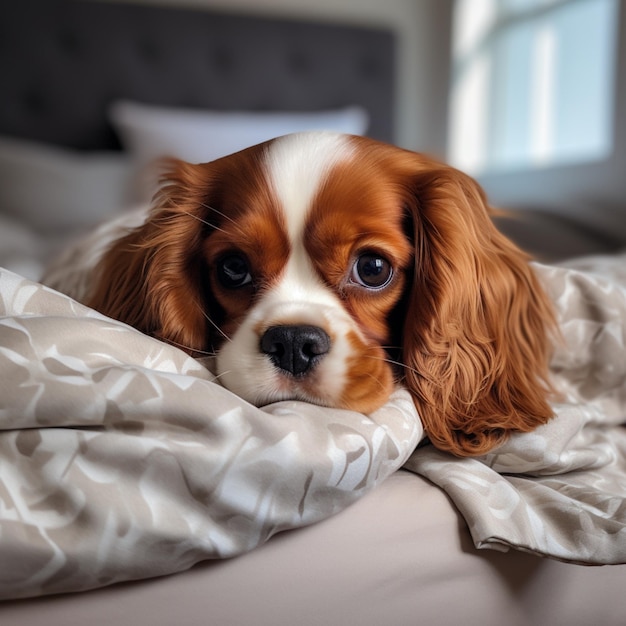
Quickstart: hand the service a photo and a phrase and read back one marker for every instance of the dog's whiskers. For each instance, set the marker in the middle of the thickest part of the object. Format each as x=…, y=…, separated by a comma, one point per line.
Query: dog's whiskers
x=211, y=224
x=203, y=221
x=220, y=213
x=215, y=326
x=393, y=362
x=197, y=217
x=218, y=376
x=377, y=381
x=190, y=349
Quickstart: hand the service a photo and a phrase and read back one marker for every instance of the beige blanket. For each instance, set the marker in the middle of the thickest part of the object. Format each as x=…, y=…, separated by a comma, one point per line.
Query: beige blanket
x=121, y=458
x=561, y=490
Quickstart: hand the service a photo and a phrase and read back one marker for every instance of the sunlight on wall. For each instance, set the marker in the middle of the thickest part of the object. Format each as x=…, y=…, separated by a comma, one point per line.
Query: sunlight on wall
x=532, y=83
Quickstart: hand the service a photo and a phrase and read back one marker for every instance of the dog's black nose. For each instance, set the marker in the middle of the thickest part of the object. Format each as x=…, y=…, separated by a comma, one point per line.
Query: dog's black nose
x=295, y=349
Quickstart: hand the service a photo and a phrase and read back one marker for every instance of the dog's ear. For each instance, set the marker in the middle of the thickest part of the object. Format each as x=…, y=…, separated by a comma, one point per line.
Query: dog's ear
x=477, y=328
x=150, y=278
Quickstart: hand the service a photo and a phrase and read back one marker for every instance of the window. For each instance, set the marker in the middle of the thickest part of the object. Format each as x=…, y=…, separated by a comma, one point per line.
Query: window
x=532, y=83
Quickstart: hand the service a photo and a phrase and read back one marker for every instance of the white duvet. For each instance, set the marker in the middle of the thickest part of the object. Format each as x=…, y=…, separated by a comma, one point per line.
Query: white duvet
x=121, y=458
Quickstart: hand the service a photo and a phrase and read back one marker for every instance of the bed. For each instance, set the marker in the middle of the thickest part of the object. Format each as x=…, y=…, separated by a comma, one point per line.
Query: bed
x=133, y=488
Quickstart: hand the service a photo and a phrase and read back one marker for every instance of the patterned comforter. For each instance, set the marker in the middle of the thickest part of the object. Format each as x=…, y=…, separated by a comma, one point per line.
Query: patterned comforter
x=121, y=458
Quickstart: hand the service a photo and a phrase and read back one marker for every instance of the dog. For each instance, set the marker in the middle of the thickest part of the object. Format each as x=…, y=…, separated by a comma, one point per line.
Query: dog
x=330, y=268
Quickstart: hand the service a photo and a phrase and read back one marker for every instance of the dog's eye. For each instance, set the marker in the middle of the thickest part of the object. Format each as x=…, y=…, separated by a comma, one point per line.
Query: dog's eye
x=372, y=271
x=233, y=271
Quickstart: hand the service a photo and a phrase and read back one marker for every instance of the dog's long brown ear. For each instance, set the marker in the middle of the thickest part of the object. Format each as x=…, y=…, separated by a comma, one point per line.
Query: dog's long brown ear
x=149, y=278
x=478, y=325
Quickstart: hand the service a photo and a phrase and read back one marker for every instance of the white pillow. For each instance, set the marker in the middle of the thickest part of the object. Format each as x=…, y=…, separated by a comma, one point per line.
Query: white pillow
x=150, y=132
x=21, y=251
x=53, y=189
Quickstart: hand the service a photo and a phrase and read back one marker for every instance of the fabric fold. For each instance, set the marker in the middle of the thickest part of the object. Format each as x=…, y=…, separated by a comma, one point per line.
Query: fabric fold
x=121, y=458
x=559, y=491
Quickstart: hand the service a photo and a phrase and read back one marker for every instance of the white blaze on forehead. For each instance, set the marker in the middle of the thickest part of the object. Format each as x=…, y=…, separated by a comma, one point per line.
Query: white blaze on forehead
x=297, y=167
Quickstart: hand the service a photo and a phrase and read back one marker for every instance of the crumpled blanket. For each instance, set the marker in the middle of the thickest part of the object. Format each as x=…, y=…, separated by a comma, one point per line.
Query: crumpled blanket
x=121, y=458
x=559, y=491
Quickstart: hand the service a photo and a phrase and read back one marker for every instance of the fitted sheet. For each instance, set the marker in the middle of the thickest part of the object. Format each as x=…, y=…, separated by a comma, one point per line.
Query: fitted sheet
x=401, y=555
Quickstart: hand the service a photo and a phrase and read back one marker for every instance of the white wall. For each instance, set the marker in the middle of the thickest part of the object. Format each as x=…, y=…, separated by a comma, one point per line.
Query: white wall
x=422, y=28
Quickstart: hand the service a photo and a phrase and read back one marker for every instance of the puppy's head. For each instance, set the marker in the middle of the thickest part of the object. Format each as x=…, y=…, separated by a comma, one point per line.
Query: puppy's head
x=325, y=268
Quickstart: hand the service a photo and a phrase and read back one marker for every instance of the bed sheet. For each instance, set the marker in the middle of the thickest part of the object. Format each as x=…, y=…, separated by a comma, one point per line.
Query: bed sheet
x=400, y=555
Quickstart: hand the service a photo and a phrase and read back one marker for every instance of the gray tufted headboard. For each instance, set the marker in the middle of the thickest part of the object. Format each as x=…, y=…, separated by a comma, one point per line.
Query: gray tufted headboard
x=62, y=62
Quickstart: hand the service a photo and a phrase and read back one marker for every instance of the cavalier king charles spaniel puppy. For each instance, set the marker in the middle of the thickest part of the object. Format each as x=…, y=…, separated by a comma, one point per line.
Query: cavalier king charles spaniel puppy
x=329, y=268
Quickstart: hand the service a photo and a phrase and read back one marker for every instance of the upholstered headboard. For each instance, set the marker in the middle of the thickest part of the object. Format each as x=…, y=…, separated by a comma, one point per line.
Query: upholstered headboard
x=62, y=62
